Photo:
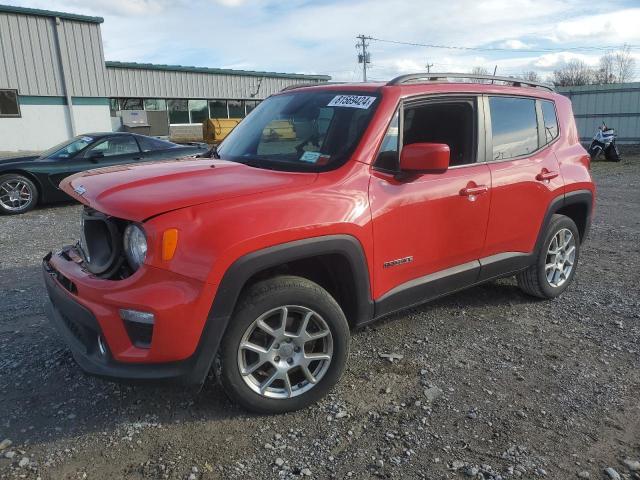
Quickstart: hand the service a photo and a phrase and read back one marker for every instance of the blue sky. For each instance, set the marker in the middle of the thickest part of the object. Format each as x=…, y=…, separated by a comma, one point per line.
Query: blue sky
x=319, y=36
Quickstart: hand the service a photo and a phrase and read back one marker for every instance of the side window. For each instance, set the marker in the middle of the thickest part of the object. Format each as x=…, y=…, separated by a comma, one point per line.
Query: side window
x=550, y=121
x=388, y=155
x=450, y=122
x=120, y=145
x=514, y=127
x=149, y=144
x=9, y=105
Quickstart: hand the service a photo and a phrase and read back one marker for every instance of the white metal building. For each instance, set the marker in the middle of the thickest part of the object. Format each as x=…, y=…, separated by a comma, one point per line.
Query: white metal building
x=55, y=83
x=616, y=104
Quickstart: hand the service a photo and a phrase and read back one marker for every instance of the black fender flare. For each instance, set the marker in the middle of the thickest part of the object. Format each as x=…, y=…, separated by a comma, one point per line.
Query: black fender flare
x=576, y=197
x=248, y=265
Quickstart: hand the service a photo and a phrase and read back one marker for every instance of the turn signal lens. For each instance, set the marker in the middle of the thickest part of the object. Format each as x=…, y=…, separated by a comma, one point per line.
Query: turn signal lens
x=169, y=243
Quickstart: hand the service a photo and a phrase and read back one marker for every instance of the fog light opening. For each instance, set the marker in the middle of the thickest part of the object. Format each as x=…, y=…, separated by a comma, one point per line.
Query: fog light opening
x=139, y=326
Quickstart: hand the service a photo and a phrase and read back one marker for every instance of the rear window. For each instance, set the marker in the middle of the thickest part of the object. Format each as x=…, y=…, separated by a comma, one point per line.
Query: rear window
x=550, y=121
x=514, y=126
x=150, y=144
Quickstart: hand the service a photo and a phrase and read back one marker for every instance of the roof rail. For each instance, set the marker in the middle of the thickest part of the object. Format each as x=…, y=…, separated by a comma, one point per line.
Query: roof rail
x=434, y=77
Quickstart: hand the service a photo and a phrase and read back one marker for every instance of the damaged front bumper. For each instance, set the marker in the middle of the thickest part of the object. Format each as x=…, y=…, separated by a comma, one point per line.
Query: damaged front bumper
x=85, y=311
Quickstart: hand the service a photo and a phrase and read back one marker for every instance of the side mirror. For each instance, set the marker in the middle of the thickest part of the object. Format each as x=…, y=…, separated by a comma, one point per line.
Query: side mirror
x=95, y=156
x=424, y=158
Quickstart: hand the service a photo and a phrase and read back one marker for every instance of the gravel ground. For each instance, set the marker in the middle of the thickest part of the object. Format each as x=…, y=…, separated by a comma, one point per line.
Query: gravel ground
x=487, y=383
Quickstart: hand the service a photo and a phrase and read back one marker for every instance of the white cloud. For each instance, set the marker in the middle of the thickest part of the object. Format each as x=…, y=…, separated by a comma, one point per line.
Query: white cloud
x=231, y=3
x=515, y=44
x=613, y=27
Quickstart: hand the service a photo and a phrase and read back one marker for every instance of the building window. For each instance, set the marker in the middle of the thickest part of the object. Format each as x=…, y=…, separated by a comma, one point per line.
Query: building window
x=236, y=109
x=131, y=104
x=250, y=105
x=218, y=109
x=114, y=107
x=155, y=104
x=178, y=111
x=9, y=106
x=198, y=110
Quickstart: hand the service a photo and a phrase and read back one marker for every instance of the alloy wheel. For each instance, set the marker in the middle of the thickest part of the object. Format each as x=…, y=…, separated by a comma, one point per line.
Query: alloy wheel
x=15, y=195
x=561, y=256
x=285, y=352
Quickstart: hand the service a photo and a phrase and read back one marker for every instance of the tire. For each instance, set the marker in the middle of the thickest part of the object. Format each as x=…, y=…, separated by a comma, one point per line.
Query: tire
x=594, y=150
x=535, y=279
x=261, y=308
x=611, y=154
x=14, y=190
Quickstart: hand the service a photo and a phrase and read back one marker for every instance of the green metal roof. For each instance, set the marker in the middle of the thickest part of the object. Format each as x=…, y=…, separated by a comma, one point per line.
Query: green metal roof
x=48, y=13
x=219, y=71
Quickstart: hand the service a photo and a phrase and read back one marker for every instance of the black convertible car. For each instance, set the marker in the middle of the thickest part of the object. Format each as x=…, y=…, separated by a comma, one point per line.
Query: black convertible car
x=27, y=181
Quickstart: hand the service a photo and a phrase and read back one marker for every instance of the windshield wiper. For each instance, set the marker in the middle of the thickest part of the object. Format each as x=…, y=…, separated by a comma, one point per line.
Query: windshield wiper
x=211, y=153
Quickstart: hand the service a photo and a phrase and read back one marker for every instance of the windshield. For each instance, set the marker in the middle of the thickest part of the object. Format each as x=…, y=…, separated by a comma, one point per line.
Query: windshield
x=308, y=131
x=69, y=148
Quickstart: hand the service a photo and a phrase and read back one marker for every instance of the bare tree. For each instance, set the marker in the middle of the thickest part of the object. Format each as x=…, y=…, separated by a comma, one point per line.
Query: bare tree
x=604, y=73
x=574, y=73
x=530, y=76
x=624, y=65
x=479, y=71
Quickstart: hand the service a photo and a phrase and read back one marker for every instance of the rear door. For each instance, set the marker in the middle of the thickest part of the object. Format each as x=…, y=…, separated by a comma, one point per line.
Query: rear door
x=524, y=171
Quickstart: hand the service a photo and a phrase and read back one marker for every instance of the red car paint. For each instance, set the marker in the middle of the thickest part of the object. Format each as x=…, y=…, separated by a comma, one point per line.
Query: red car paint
x=224, y=211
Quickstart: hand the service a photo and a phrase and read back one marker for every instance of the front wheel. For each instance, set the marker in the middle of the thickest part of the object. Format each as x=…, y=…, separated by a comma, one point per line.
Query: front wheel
x=595, y=149
x=18, y=194
x=556, y=262
x=286, y=345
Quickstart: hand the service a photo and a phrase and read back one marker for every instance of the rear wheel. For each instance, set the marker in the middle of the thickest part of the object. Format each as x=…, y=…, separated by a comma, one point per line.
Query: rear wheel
x=556, y=263
x=18, y=194
x=287, y=344
x=611, y=153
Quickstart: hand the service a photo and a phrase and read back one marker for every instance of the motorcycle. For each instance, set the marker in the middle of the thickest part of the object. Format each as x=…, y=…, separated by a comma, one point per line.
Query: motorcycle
x=604, y=141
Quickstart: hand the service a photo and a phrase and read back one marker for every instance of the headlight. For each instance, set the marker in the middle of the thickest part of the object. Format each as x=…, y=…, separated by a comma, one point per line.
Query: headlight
x=135, y=245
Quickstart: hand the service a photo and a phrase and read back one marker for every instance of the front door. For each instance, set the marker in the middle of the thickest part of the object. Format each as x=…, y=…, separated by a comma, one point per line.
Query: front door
x=113, y=150
x=429, y=230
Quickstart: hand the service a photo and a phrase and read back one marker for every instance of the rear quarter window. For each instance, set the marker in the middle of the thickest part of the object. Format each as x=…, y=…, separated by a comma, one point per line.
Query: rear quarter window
x=514, y=127
x=550, y=121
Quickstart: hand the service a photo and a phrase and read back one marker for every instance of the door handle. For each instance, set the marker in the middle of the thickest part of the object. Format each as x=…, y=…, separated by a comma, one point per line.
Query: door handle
x=546, y=175
x=473, y=191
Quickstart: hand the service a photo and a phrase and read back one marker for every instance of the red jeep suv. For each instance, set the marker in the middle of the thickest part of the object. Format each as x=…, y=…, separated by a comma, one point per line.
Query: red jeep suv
x=326, y=208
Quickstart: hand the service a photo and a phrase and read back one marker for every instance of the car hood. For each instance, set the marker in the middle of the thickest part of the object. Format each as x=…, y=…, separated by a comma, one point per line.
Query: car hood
x=138, y=192
x=14, y=160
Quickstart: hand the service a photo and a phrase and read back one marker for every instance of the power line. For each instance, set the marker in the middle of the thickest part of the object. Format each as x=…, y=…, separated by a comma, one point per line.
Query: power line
x=499, y=49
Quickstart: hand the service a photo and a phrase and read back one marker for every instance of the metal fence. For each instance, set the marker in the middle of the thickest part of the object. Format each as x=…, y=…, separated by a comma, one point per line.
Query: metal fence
x=617, y=105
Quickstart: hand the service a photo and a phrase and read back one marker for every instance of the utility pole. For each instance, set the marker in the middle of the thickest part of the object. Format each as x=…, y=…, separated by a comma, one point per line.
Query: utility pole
x=364, y=57
x=429, y=65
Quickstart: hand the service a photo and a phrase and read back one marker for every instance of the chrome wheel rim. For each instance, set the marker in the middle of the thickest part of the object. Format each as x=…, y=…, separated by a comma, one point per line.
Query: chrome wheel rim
x=285, y=352
x=15, y=194
x=561, y=257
